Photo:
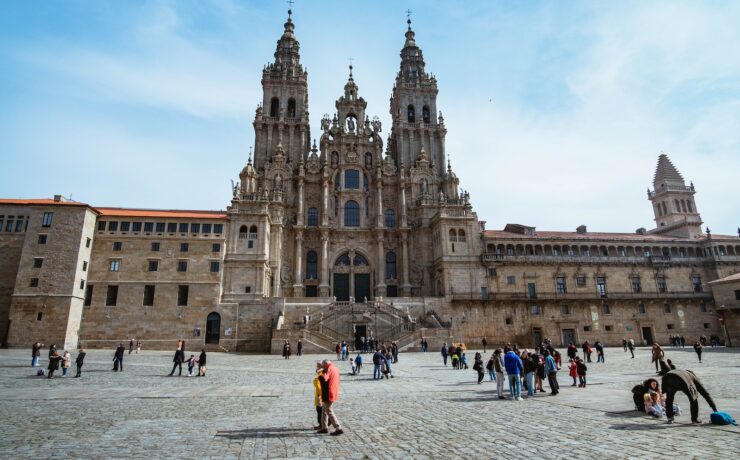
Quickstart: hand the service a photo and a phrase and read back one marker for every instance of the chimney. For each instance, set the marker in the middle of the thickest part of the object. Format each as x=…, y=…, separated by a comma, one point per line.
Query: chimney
x=581, y=229
x=58, y=198
x=641, y=231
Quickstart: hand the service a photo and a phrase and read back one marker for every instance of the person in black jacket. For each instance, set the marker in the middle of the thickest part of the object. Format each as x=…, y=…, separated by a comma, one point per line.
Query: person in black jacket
x=687, y=382
x=80, y=359
x=478, y=367
x=202, y=363
x=54, y=359
x=178, y=359
x=118, y=358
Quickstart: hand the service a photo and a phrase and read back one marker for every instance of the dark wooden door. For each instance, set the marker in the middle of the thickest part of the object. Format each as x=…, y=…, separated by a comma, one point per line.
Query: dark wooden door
x=362, y=287
x=647, y=335
x=341, y=286
x=213, y=328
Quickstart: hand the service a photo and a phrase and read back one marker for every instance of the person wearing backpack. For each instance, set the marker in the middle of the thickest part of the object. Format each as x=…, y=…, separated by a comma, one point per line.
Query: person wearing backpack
x=688, y=383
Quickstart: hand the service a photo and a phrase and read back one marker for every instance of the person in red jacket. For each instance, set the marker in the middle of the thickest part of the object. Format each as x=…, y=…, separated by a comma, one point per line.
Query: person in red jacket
x=329, y=396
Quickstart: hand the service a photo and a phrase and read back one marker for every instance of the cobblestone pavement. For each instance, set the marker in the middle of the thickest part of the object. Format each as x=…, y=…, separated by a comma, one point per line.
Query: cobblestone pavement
x=260, y=406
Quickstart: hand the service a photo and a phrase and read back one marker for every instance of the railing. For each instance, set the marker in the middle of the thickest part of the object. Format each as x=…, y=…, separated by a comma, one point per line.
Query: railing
x=492, y=296
x=671, y=188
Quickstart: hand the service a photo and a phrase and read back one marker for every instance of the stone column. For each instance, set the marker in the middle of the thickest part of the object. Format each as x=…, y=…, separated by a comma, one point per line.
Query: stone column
x=380, y=287
x=301, y=213
x=379, y=214
x=325, y=203
x=298, y=285
x=324, y=290
x=278, y=235
x=406, y=287
x=404, y=222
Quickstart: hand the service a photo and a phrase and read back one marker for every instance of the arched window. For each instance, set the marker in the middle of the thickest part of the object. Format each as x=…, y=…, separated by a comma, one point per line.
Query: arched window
x=312, y=265
x=683, y=206
x=352, y=179
x=334, y=159
x=461, y=235
x=390, y=265
x=351, y=214
x=343, y=260
x=390, y=218
x=291, y=108
x=453, y=235
x=425, y=114
x=253, y=231
x=274, y=107
x=359, y=260
x=368, y=160
x=688, y=204
x=665, y=208
x=411, y=112
x=313, y=217
x=243, y=231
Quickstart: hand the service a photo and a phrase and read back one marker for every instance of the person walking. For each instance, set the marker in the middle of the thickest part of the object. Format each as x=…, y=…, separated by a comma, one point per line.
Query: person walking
x=80, y=361
x=178, y=360
x=66, y=362
x=138, y=346
x=478, y=367
x=631, y=347
x=658, y=354
x=572, y=351
x=445, y=352
x=599, y=351
x=514, y=368
x=331, y=377
x=551, y=369
x=498, y=367
x=202, y=363
x=624, y=344
x=697, y=349
x=299, y=348
x=484, y=342
x=36, y=353
x=338, y=349
x=573, y=371
x=687, y=382
x=358, y=362
x=54, y=359
x=130, y=346
x=118, y=358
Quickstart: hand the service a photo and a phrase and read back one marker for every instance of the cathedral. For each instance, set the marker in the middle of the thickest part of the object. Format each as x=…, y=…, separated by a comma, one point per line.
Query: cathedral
x=350, y=237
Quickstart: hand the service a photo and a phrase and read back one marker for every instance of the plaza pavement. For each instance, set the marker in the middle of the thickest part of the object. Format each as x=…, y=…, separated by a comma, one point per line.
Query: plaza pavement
x=260, y=406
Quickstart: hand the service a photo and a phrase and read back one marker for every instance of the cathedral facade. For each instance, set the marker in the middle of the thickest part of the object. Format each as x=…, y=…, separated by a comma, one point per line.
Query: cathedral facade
x=349, y=237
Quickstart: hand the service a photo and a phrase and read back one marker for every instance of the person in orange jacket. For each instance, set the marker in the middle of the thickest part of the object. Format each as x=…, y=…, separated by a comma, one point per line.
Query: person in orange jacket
x=329, y=396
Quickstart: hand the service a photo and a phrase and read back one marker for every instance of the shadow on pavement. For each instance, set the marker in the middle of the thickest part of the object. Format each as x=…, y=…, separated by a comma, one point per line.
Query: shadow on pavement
x=267, y=433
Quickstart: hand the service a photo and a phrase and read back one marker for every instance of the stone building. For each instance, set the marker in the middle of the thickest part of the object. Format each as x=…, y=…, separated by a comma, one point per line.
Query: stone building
x=347, y=237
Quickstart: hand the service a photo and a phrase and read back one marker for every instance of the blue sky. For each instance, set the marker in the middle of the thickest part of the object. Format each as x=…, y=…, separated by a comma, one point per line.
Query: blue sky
x=556, y=111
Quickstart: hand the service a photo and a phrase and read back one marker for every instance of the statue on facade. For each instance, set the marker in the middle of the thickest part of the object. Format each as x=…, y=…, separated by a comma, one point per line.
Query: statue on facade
x=351, y=124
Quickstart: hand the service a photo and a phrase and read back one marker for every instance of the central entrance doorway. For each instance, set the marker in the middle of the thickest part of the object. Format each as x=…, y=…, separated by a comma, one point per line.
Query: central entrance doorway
x=647, y=335
x=569, y=336
x=360, y=331
x=351, y=278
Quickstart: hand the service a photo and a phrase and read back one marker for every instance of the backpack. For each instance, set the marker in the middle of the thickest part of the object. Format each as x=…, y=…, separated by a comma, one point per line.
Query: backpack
x=40, y=373
x=638, y=392
x=722, y=418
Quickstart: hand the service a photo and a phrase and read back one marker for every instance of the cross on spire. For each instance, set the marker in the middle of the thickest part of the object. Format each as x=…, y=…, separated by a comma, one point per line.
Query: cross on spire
x=290, y=7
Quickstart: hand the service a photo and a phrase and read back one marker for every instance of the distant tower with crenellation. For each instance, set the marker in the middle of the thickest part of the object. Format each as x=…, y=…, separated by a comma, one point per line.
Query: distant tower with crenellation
x=673, y=202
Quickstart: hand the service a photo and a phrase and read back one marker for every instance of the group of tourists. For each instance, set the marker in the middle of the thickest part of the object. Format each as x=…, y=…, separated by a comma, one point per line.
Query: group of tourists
x=456, y=355
x=423, y=345
x=56, y=360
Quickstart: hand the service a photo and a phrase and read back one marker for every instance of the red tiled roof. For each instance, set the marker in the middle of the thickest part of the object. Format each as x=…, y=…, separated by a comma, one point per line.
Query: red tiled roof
x=165, y=213
x=40, y=201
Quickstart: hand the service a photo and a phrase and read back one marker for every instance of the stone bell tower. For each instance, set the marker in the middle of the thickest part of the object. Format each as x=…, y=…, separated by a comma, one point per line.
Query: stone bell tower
x=673, y=202
x=282, y=118
x=414, y=110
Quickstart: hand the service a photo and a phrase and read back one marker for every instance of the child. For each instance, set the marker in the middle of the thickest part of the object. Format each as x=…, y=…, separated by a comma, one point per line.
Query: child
x=464, y=362
x=572, y=370
x=653, y=404
x=352, y=365
x=581, y=370
x=455, y=361
x=66, y=362
x=191, y=365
